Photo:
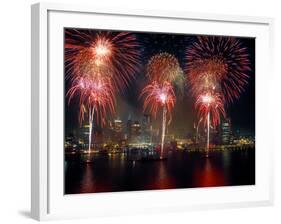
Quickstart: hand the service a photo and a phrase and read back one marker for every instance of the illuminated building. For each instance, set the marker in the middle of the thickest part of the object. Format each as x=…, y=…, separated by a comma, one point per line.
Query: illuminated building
x=183, y=142
x=226, y=132
x=83, y=135
x=146, y=128
x=128, y=131
x=118, y=125
x=135, y=132
x=70, y=143
x=117, y=130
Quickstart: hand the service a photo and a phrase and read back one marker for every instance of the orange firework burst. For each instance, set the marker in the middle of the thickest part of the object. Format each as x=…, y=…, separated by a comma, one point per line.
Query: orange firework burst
x=113, y=55
x=158, y=95
x=163, y=67
x=206, y=74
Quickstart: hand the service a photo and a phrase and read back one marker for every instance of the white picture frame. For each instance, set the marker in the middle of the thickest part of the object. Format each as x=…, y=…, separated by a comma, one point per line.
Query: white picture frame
x=47, y=201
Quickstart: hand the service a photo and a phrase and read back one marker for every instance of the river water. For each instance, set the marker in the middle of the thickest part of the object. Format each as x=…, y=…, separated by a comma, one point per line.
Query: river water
x=114, y=172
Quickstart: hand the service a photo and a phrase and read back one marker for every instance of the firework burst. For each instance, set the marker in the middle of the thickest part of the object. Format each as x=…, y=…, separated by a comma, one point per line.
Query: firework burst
x=164, y=67
x=210, y=103
x=113, y=55
x=96, y=97
x=220, y=63
x=158, y=96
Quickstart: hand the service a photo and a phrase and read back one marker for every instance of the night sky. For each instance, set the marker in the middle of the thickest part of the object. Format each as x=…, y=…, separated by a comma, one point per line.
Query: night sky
x=241, y=112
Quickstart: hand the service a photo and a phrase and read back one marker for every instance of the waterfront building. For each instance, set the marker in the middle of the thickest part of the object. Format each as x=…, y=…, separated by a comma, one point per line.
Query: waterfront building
x=146, y=128
x=225, y=132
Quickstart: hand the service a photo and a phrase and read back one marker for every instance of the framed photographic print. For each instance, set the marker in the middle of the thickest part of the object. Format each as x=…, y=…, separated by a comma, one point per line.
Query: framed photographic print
x=158, y=111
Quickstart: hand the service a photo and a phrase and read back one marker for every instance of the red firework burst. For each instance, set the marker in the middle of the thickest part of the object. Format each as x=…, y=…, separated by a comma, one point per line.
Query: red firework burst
x=113, y=55
x=220, y=63
x=158, y=95
x=210, y=103
x=163, y=67
x=96, y=97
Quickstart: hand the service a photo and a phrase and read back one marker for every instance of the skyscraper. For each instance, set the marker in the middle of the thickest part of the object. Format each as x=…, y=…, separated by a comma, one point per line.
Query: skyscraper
x=118, y=130
x=226, y=131
x=146, y=128
x=128, y=128
x=135, y=132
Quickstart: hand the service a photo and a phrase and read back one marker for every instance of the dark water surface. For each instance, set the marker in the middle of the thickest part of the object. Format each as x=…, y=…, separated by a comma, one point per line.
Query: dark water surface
x=109, y=173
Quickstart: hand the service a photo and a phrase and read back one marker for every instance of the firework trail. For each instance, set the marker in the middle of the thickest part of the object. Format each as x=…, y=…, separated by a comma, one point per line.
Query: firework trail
x=158, y=96
x=197, y=129
x=113, y=55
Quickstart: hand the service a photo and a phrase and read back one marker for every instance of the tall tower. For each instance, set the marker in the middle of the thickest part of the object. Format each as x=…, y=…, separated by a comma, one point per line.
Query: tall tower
x=135, y=132
x=118, y=130
x=128, y=128
x=146, y=128
x=226, y=131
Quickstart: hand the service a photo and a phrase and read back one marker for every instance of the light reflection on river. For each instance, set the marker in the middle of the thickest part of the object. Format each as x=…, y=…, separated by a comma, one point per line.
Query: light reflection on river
x=109, y=173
